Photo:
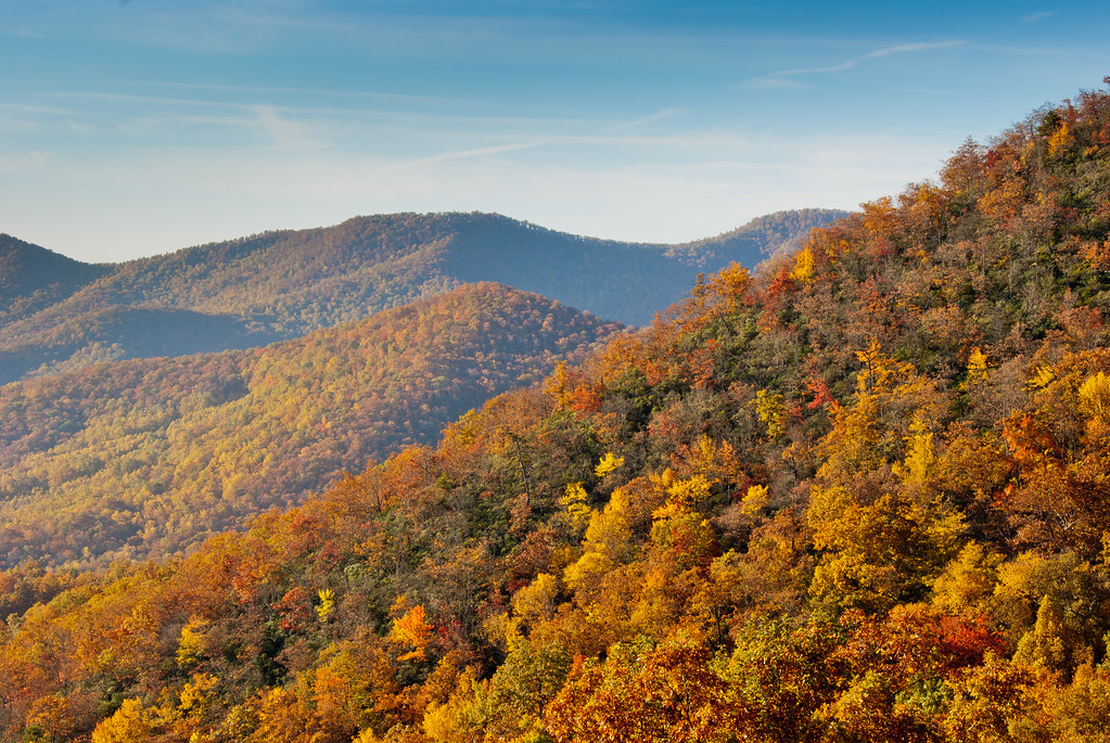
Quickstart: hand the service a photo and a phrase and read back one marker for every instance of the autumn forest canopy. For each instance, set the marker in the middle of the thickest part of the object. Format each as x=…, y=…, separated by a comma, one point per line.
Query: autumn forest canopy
x=861, y=494
x=146, y=457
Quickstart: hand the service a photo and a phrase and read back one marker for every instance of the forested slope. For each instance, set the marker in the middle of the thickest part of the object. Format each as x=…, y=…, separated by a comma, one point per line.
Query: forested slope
x=281, y=285
x=32, y=278
x=145, y=457
x=860, y=497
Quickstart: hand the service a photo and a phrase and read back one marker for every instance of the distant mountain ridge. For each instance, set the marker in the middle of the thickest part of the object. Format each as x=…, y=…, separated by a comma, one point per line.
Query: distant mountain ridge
x=63, y=314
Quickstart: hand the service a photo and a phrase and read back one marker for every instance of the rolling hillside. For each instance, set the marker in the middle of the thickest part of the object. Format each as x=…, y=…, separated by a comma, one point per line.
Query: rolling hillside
x=144, y=457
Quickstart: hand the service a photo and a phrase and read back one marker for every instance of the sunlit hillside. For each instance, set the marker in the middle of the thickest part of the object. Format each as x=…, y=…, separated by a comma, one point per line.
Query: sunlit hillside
x=143, y=458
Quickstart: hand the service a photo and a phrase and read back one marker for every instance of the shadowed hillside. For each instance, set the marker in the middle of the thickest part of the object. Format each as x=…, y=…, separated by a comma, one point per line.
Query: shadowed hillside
x=32, y=278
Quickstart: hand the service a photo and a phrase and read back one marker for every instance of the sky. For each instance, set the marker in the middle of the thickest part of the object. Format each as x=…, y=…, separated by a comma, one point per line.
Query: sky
x=136, y=127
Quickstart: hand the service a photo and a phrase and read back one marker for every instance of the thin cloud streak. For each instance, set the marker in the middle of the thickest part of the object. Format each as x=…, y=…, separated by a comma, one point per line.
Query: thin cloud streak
x=774, y=83
x=316, y=127
x=817, y=70
x=660, y=115
x=780, y=79
x=91, y=95
x=464, y=154
x=22, y=163
x=302, y=109
x=284, y=134
x=1034, y=17
x=309, y=91
x=904, y=48
x=30, y=109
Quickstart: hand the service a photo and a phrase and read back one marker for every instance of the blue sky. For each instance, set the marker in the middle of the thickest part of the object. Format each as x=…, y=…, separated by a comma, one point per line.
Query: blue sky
x=139, y=127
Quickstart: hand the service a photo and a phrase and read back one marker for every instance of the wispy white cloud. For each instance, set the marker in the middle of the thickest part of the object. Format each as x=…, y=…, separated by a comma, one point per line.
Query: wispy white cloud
x=416, y=131
x=471, y=153
x=785, y=78
x=904, y=48
x=818, y=70
x=1034, y=17
x=22, y=162
x=329, y=92
x=661, y=115
x=24, y=119
x=16, y=33
x=31, y=109
x=283, y=132
x=92, y=95
x=774, y=83
x=164, y=121
x=929, y=91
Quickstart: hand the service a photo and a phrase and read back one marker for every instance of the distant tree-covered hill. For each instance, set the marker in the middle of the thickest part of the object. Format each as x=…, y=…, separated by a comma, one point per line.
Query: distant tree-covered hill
x=143, y=457
x=62, y=315
x=32, y=278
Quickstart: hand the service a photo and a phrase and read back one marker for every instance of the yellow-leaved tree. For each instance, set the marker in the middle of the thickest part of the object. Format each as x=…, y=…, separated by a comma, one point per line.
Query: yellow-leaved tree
x=412, y=630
